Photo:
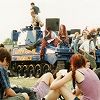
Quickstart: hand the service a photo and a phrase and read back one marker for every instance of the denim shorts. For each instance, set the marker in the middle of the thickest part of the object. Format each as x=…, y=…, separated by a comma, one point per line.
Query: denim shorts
x=19, y=96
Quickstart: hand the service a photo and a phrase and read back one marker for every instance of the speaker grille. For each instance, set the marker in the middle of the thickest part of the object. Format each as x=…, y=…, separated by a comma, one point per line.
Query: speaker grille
x=53, y=23
x=75, y=30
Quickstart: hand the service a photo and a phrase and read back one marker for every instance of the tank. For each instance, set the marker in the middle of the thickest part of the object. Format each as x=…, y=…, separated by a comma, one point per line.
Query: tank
x=27, y=63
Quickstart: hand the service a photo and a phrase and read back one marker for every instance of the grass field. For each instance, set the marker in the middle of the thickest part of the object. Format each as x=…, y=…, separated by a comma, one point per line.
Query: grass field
x=27, y=82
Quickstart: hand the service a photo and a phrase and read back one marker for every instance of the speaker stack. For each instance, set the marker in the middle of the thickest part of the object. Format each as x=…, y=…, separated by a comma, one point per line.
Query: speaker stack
x=53, y=23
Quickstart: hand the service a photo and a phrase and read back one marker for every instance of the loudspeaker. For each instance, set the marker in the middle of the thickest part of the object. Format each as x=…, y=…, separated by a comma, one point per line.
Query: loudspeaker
x=53, y=23
x=15, y=35
x=75, y=30
x=69, y=32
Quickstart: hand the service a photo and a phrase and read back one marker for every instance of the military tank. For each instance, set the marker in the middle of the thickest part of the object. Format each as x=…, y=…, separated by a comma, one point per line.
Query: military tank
x=27, y=63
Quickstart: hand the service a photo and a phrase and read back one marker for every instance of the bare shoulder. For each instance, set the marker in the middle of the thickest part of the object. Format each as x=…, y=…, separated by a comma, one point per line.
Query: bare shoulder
x=79, y=77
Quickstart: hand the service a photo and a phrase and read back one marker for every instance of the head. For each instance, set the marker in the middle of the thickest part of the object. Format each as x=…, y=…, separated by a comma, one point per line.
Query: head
x=32, y=4
x=77, y=34
x=89, y=37
x=88, y=64
x=62, y=29
x=93, y=32
x=5, y=57
x=98, y=30
x=1, y=45
x=63, y=32
x=77, y=61
x=85, y=33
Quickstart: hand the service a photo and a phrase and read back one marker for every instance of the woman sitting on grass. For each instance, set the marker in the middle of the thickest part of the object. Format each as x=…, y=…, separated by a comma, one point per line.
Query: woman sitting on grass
x=86, y=80
x=38, y=90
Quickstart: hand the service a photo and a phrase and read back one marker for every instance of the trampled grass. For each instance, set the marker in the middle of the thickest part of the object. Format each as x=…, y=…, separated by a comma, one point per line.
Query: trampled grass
x=25, y=82
x=29, y=82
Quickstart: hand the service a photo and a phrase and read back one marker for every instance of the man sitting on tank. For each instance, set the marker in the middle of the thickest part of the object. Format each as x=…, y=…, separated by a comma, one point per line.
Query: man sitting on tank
x=49, y=37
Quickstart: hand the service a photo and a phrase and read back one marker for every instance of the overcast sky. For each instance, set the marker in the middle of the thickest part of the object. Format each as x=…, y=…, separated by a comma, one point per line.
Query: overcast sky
x=15, y=14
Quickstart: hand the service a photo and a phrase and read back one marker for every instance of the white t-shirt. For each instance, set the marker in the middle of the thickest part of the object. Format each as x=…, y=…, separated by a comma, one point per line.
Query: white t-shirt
x=85, y=46
x=53, y=36
x=98, y=41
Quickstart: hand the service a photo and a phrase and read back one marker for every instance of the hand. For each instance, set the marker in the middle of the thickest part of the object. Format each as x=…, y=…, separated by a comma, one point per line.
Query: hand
x=62, y=76
x=61, y=72
x=58, y=74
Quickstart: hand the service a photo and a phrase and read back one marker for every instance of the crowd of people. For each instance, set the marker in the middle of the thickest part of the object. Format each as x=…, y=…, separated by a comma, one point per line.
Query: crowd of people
x=83, y=74
x=86, y=83
x=87, y=41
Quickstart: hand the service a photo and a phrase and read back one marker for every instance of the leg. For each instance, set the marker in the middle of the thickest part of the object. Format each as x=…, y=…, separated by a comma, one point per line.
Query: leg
x=54, y=94
x=43, y=45
x=67, y=94
x=47, y=78
x=26, y=96
x=91, y=59
x=33, y=46
x=19, y=96
x=22, y=90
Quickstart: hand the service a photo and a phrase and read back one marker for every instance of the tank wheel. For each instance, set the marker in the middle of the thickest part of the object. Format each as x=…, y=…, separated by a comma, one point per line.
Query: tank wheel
x=25, y=70
x=46, y=68
x=31, y=70
x=18, y=70
x=38, y=71
x=13, y=67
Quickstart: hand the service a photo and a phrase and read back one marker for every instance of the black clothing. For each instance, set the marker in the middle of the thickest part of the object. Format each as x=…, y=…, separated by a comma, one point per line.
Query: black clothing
x=36, y=10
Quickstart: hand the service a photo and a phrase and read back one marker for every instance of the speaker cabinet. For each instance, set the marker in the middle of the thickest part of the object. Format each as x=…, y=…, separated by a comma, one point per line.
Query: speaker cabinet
x=15, y=35
x=53, y=23
x=69, y=32
x=75, y=30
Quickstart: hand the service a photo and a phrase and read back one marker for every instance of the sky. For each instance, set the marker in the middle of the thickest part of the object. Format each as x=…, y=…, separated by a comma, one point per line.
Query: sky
x=15, y=14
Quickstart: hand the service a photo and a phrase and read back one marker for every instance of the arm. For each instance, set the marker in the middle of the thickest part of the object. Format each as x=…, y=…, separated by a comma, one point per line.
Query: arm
x=59, y=82
x=40, y=22
x=48, y=34
x=93, y=48
x=4, y=80
x=9, y=92
x=81, y=47
x=81, y=50
x=53, y=37
x=77, y=91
